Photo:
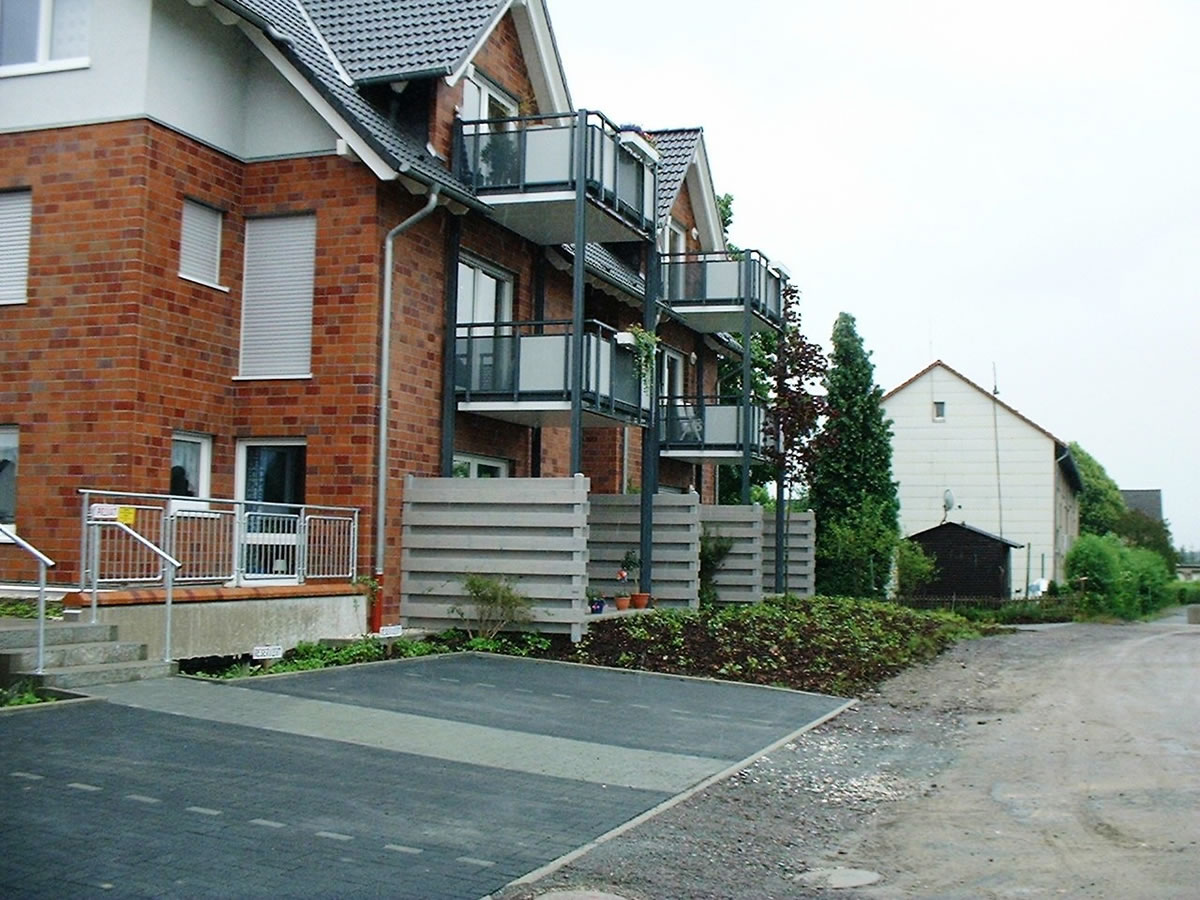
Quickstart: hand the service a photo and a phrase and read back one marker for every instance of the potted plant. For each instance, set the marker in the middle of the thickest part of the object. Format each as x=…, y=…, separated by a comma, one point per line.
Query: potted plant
x=595, y=601
x=645, y=347
x=630, y=563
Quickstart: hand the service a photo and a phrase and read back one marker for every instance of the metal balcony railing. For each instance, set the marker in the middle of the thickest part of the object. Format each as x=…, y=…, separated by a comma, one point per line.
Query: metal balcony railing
x=709, y=425
x=719, y=285
x=537, y=155
x=522, y=362
x=215, y=540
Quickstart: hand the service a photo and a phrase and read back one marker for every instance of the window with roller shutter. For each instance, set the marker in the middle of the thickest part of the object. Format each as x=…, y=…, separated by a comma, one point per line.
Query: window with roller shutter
x=200, y=243
x=277, y=297
x=16, y=209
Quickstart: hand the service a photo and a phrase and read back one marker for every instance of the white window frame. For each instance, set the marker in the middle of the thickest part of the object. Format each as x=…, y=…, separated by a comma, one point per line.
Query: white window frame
x=16, y=228
x=671, y=355
x=192, y=231
x=261, y=329
x=203, y=475
x=489, y=92
x=13, y=431
x=239, y=478
x=505, y=291
x=474, y=460
x=939, y=410
x=44, y=62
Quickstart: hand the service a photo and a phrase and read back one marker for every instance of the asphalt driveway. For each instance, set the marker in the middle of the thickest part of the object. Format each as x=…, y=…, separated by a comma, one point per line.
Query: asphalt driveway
x=446, y=776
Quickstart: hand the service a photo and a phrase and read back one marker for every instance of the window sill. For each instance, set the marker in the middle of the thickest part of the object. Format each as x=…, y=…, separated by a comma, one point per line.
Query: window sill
x=39, y=68
x=272, y=377
x=208, y=284
x=4, y=538
x=7, y=302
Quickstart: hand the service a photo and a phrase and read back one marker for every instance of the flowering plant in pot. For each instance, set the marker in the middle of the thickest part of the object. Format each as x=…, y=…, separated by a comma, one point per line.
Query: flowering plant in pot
x=630, y=563
x=595, y=601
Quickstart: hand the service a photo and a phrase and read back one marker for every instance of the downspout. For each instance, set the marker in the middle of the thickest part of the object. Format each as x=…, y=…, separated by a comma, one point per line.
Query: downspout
x=385, y=368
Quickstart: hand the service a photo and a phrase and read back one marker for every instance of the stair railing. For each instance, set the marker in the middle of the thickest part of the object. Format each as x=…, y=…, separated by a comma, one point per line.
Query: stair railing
x=170, y=566
x=43, y=562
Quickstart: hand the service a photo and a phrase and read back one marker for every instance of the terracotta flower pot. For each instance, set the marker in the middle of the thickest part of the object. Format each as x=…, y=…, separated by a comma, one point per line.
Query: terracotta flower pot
x=639, y=600
x=621, y=602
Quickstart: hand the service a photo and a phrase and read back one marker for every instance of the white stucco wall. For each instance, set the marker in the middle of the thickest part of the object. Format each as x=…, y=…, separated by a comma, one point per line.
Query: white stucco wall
x=177, y=64
x=960, y=454
x=113, y=86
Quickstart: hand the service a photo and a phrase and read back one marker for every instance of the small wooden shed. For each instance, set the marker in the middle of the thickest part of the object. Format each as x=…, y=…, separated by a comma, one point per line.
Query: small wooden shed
x=970, y=562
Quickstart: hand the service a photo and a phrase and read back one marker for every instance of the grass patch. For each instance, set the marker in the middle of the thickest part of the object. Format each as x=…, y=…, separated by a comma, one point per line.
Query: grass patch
x=20, y=608
x=831, y=645
x=23, y=693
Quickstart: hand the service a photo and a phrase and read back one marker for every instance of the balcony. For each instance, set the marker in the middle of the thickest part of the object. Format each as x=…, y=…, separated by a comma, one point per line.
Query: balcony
x=524, y=168
x=709, y=429
x=520, y=372
x=711, y=291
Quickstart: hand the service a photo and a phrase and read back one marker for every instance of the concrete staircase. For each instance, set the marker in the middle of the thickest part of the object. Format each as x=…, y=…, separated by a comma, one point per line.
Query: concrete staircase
x=76, y=656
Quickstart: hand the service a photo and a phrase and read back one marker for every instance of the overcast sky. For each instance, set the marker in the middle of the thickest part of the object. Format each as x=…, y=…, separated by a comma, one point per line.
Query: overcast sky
x=1014, y=183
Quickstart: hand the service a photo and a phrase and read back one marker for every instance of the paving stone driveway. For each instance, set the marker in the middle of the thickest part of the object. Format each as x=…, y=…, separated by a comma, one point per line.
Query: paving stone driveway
x=446, y=776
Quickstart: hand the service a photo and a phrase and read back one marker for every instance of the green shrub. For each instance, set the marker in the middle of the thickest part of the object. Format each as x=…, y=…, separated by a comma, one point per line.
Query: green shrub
x=1186, y=592
x=494, y=606
x=914, y=567
x=713, y=550
x=1113, y=579
x=827, y=644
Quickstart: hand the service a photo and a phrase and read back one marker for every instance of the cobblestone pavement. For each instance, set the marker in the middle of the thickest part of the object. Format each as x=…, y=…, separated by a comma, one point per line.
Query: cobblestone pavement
x=439, y=778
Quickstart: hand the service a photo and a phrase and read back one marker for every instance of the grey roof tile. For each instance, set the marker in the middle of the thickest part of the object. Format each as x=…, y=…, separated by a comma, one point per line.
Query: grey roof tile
x=676, y=149
x=401, y=39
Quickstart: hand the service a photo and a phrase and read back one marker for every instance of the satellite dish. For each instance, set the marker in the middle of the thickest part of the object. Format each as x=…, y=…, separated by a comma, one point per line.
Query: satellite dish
x=947, y=504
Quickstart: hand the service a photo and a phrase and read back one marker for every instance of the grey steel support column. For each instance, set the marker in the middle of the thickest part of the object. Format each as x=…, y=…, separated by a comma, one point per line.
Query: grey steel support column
x=539, y=315
x=449, y=344
x=578, y=282
x=650, y=434
x=747, y=374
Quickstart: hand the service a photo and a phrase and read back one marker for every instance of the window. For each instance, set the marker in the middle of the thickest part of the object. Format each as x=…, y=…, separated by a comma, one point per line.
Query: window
x=468, y=465
x=43, y=35
x=485, y=296
x=484, y=99
x=939, y=411
x=277, y=297
x=8, y=474
x=271, y=471
x=200, y=243
x=16, y=210
x=670, y=374
x=191, y=468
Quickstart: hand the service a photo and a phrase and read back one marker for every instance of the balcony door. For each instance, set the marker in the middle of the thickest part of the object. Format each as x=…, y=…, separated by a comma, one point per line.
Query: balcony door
x=485, y=352
x=270, y=478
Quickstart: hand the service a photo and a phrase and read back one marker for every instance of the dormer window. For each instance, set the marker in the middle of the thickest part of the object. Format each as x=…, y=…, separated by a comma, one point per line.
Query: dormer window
x=43, y=35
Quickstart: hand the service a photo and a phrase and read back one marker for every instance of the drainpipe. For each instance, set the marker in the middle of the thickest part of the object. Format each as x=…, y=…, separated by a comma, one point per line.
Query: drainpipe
x=385, y=367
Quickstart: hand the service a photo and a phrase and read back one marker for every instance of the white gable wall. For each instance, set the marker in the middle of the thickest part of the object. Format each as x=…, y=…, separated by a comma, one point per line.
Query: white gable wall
x=959, y=454
x=177, y=64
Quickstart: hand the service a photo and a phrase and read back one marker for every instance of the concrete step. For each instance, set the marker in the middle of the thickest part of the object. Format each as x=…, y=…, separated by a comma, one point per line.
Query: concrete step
x=106, y=673
x=22, y=636
x=66, y=655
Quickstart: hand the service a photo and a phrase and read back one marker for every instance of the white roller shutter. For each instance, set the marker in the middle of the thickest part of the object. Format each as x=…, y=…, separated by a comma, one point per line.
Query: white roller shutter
x=16, y=209
x=200, y=243
x=277, y=297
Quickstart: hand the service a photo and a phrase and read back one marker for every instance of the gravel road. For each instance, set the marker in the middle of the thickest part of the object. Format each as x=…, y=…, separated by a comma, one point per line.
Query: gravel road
x=1062, y=761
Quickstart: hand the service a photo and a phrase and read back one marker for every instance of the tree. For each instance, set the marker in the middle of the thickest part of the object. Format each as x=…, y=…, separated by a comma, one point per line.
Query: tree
x=1100, y=502
x=851, y=485
x=1139, y=530
x=914, y=568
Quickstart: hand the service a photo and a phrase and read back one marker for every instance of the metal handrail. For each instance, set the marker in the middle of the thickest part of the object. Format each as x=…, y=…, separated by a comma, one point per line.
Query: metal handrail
x=43, y=562
x=170, y=564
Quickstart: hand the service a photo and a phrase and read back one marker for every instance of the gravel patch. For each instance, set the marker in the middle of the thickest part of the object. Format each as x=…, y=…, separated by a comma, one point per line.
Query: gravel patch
x=785, y=826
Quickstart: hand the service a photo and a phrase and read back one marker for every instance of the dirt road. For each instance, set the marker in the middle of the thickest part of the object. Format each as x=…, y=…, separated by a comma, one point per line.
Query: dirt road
x=1062, y=762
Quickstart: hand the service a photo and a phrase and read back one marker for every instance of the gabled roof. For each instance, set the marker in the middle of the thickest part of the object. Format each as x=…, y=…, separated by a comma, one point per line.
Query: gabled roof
x=396, y=40
x=1062, y=449
x=338, y=46
x=683, y=158
x=676, y=150
x=971, y=528
x=1148, y=502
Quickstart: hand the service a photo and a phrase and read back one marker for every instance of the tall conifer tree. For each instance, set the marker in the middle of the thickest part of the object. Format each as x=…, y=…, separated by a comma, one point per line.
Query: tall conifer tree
x=852, y=490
